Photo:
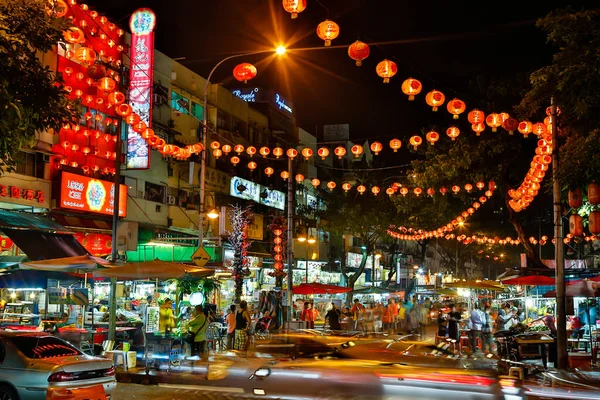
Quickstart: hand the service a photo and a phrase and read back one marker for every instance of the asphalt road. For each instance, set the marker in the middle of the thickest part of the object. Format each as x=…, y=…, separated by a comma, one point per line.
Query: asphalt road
x=130, y=391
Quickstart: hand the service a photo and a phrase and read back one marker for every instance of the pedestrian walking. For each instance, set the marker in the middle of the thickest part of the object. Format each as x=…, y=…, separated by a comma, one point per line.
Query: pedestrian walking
x=308, y=315
x=477, y=321
x=230, y=321
x=197, y=327
x=486, y=330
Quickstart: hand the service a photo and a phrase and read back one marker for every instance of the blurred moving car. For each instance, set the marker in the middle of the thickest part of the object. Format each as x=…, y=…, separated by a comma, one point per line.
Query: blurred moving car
x=32, y=364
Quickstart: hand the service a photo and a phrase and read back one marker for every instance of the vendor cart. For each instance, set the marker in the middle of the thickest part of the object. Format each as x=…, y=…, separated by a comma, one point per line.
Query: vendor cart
x=533, y=346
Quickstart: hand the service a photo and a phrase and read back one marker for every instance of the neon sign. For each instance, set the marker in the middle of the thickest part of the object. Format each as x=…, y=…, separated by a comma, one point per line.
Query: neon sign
x=141, y=78
x=249, y=97
x=281, y=103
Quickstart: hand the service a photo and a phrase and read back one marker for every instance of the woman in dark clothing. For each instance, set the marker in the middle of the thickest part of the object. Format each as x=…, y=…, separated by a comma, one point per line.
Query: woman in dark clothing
x=242, y=322
x=333, y=316
x=454, y=318
x=442, y=325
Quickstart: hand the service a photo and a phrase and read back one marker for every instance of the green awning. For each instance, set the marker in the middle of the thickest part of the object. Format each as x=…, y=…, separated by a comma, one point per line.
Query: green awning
x=29, y=221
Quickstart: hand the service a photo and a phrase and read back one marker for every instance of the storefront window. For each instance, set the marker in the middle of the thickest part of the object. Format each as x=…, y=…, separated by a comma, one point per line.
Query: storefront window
x=197, y=111
x=180, y=103
x=26, y=164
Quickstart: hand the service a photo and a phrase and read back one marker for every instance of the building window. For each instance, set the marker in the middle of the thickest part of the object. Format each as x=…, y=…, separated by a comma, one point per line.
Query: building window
x=197, y=111
x=131, y=187
x=223, y=121
x=26, y=164
x=180, y=103
x=155, y=192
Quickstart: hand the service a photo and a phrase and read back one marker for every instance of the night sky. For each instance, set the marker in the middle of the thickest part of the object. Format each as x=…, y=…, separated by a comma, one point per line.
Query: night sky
x=446, y=44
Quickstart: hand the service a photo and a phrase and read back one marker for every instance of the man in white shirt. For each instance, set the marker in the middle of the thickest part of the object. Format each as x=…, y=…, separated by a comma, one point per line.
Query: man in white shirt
x=477, y=321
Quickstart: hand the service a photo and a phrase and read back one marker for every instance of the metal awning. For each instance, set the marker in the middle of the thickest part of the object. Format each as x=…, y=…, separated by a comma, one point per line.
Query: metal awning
x=29, y=221
x=82, y=222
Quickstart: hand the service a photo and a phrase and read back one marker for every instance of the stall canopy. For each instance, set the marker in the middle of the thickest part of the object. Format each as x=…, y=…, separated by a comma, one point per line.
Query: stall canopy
x=371, y=290
x=156, y=269
x=584, y=288
x=67, y=264
x=29, y=221
x=532, y=280
x=31, y=279
x=319, y=288
x=488, y=285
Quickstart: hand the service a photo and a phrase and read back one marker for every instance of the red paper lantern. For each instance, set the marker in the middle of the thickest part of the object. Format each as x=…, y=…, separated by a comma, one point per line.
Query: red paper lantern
x=357, y=150
x=323, y=152
x=284, y=175
x=251, y=150
x=415, y=141
x=395, y=144
x=315, y=182
x=593, y=193
x=307, y=153
x=74, y=35
x=235, y=160
x=327, y=31
x=277, y=152
x=299, y=178
x=456, y=107
x=361, y=189
x=331, y=185
x=468, y=187
x=510, y=124
x=411, y=87
x=264, y=151
x=594, y=222
x=358, y=51
x=575, y=198
x=340, y=151
x=269, y=171
x=478, y=128
x=493, y=121
x=418, y=191
x=85, y=56
x=376, y=147
x=386, y=69
x=453, y=132
x=375, y=190
x=540, y=129
x=525, y=128
x=244, y=72
x=294, y=7
x=576, y=225
x=476, y=116
x=238, y=148
x=226, y=149
x=346, y=187
x=292, y=153
x=252, y=165
x=123, y=110
x=434, y=99
x=432, y=137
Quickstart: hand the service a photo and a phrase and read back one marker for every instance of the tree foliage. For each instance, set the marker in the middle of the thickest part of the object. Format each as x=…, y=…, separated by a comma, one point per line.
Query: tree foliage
x=366, y=217
x=573, y=80
x=31, y=99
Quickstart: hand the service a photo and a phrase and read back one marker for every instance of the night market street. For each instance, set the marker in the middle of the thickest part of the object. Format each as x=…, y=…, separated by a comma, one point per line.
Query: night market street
x=299, y=199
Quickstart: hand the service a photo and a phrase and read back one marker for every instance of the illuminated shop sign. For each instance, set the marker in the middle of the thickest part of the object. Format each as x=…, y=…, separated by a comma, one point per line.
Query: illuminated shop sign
x=248, y=95
x=281, y=103
x=141, y=77
x=81, y=193
x=252, y=191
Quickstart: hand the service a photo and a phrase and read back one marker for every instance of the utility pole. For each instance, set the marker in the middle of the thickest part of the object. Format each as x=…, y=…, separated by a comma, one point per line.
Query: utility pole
x=561, y=308
x=290, y=241
x=112, y=305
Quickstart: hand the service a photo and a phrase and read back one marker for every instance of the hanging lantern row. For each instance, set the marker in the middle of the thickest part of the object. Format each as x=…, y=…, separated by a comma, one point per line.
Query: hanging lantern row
x=404, y=190
x=420, y=234
x=528, y=189
x=278, y=230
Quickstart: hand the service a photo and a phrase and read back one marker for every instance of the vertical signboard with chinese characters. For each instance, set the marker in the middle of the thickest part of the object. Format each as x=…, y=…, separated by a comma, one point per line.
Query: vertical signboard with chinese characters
x=141, y=78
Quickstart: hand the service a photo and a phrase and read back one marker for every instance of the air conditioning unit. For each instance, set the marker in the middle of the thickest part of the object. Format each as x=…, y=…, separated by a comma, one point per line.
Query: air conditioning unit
x=171, y=200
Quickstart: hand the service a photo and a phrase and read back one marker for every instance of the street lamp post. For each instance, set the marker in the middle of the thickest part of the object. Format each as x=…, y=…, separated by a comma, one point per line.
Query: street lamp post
x=279, y=51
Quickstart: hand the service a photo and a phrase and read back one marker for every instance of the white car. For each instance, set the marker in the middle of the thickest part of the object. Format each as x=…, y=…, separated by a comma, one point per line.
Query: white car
x=32, y=364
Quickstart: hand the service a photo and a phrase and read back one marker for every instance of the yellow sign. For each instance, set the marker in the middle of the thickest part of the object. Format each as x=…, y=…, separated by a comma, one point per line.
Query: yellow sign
x=200, y=257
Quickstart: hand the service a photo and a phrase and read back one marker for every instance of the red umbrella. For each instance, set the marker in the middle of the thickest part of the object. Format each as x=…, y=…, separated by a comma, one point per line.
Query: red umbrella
x=533, y=280
x=584, y=288
x=319, y=288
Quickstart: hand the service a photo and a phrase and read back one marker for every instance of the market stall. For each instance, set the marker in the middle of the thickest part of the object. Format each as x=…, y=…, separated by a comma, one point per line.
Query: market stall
x=156, y=344
x=321, y=295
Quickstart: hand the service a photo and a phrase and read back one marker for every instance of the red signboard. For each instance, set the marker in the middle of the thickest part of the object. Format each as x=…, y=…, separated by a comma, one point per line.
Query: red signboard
x=141, y=77
x=98, y=244
x=81, y=193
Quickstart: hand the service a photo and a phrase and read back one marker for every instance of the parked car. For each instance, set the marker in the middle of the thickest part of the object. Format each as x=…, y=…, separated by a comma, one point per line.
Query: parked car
x=31, y=364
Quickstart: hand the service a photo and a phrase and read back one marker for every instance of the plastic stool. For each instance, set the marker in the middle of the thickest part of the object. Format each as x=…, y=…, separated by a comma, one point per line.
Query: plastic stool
x=116, y=356
x=516, y=372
